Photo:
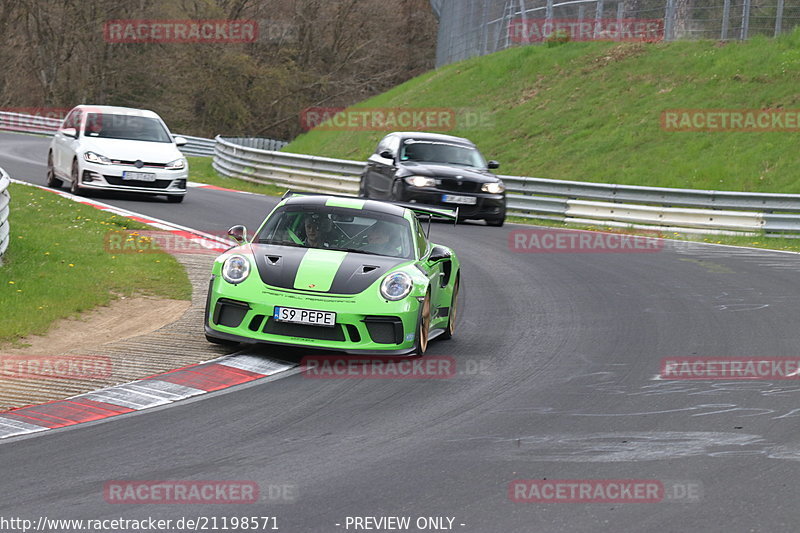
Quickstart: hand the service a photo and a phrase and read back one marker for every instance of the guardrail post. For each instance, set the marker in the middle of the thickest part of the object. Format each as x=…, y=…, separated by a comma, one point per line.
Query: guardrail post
x=598, y=17
x=726, y=19
x=745, y=20
x=778, y=18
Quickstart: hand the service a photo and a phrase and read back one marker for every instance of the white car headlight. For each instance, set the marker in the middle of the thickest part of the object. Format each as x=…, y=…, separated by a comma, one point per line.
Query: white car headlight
x=396, y=286
x=178, y=164
x=235, y=269
x=93, y=157
x=493, y=188
x=420, y=181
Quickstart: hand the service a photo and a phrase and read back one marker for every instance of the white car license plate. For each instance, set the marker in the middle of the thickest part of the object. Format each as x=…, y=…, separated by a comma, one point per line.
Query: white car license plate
x=305, y=316
x=138, y=176
x=455, y=199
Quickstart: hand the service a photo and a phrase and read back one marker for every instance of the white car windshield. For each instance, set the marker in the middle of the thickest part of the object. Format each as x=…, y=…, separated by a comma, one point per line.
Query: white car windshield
x=128, y=127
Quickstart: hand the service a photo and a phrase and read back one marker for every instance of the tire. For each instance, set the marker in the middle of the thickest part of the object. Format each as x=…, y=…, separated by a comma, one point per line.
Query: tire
x=175, y=199
x=74, y=188
x=496, y=222
x=450, y=330
x=362, y=192
x=52, y=181
x=423, y=327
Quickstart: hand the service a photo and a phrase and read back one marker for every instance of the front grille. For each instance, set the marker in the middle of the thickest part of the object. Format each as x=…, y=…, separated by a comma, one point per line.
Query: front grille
x=306, y=332
x=449, y=184
x=385, y=329
x=144, y=165
x=158, y=184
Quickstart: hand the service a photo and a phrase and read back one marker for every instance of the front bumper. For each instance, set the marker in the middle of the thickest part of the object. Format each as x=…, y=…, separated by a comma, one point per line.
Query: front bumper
x=364, y=324
x=487, y=206
x=109, y=178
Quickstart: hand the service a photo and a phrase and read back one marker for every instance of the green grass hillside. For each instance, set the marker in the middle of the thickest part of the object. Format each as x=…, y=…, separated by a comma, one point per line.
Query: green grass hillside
x=592, y=112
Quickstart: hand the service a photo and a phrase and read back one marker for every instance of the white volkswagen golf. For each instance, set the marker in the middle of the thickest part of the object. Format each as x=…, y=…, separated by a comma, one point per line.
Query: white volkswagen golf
x=117, y=149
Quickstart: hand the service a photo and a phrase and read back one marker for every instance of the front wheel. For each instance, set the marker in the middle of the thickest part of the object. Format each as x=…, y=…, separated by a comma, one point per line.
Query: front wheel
x=451, y=323
x=74, y=187
x=52, y=181
x=496, y=222
x=423, y=326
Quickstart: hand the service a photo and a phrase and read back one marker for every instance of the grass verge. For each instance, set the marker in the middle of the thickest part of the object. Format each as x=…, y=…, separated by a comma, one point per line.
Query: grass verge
x=591, y=111
x=57, y=266
x=201, y=171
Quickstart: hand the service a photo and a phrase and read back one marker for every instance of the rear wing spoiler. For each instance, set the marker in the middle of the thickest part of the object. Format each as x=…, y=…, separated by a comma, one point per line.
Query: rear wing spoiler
x=432, y=211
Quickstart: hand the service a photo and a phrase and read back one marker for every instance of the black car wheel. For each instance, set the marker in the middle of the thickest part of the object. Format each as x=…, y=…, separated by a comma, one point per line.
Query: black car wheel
x=52, y=181
x=496, y=222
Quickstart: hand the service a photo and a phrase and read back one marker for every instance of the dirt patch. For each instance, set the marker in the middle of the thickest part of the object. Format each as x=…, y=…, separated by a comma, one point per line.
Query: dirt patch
x=121, y=319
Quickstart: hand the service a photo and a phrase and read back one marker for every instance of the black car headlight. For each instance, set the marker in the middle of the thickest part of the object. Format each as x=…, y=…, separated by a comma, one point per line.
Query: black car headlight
x=420, y=181
x=235, y=269
x=396, y=286
x=495, y=187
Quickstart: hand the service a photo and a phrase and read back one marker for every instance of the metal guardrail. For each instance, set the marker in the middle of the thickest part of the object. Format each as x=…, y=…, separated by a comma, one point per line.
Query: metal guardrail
x=5, y=207
x=295, y=171
x=18, y=122
x=540, y=198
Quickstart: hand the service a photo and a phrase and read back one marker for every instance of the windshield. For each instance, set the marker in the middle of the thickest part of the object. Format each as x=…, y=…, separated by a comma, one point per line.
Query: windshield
x=332, y=228
x=441, y=152
x=129, y=127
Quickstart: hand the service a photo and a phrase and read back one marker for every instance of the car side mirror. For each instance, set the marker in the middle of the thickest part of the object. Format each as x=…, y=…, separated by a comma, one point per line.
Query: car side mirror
x=387, y=154
x=494, y=164
x=70, y=132
x=238, y=234
x=439, y=253
x=180, y=141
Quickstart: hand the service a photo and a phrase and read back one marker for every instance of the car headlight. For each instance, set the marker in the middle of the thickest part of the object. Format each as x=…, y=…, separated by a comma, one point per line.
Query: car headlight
x=493, y=188
x=421, y=181
x=178, y=164
x=235, y=269
x=396, y=286
x=93, y=157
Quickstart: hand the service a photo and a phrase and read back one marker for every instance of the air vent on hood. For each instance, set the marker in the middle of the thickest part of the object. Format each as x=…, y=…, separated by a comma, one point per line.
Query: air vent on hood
x=366, y=269
x=274, y=259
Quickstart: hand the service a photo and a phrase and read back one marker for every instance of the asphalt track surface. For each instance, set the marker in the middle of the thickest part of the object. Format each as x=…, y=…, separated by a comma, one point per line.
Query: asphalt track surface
x=568, y=345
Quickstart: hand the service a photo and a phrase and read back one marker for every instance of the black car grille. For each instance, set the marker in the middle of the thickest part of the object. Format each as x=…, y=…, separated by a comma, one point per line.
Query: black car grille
x=450, y=184
x=158, y=184
x=274, y=327
x=385, y=329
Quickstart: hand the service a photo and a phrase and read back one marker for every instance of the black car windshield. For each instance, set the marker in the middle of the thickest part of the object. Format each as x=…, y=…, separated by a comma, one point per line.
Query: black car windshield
x=441, y=152
x=128, y=127
x=338, y=228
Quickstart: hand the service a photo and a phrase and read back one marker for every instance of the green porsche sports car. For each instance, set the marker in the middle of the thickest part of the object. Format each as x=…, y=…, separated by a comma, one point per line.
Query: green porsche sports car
x=336, y=273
